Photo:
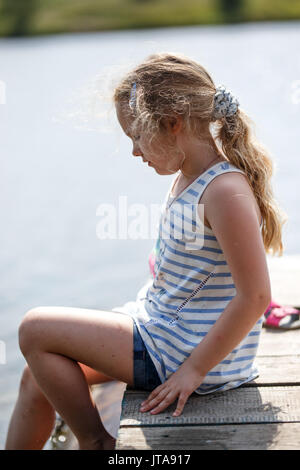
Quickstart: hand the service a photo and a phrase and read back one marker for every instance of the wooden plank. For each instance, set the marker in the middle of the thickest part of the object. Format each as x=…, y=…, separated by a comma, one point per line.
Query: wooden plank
x=279, y=343
x=241, y=405
x=283, y=436
x=277, y=370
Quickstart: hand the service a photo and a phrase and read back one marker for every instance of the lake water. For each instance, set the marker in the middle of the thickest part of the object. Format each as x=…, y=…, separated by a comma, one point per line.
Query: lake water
x=56, y=170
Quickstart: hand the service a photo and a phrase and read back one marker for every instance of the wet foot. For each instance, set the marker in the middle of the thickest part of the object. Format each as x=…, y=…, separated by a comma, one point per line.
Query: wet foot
x=105, y=442
x=109, y=443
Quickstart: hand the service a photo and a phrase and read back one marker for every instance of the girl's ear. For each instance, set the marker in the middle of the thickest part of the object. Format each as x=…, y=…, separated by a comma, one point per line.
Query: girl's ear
x=174, y=124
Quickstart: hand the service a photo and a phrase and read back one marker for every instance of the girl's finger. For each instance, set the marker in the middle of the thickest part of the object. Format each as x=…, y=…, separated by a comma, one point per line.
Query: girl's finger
x=180, y=404
x=154, y=393
x=169, y=398
x=149, y=404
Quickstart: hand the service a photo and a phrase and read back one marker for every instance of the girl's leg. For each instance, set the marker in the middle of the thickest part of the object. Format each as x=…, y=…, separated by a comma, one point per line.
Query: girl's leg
x=53, y=341
x=33, y=417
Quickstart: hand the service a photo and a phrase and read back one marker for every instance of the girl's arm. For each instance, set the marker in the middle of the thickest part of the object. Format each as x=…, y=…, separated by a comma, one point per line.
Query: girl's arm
x=231, y=212
x=232, y=216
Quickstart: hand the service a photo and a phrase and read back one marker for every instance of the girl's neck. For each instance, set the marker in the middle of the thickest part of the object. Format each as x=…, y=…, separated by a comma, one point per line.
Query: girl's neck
x=200, y=158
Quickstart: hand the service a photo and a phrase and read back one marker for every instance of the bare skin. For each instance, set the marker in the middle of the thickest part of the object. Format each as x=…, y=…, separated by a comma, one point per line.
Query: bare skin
x=192, y=156
x=227, y=198
x=33, y=417
x=57, y=340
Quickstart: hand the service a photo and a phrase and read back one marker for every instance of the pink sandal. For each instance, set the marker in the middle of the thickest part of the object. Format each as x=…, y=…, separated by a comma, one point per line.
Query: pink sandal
x=281, y=317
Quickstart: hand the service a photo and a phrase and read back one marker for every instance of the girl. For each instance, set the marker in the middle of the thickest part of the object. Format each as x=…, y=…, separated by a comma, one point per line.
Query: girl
x=195, y=327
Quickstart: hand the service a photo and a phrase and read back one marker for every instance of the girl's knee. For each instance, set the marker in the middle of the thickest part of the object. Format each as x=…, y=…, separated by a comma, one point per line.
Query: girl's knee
x=28, y=330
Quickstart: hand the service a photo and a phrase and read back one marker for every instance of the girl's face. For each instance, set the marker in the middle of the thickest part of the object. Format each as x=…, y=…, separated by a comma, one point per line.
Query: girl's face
x=155, y=155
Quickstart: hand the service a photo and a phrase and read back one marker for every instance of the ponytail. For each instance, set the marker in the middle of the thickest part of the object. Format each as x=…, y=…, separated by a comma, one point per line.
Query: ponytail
x=243, y=151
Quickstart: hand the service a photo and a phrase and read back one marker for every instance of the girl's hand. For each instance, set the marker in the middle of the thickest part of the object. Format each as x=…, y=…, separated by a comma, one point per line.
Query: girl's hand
x=181, y=384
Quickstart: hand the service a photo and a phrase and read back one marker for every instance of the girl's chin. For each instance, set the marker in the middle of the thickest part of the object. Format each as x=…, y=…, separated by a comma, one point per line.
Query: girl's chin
x=162, y=172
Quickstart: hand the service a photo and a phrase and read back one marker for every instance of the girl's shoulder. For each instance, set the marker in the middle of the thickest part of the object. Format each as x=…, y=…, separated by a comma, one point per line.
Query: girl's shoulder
x=229, y=185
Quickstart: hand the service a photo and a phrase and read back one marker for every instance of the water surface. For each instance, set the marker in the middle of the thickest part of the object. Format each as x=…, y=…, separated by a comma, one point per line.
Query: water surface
x=55, y=173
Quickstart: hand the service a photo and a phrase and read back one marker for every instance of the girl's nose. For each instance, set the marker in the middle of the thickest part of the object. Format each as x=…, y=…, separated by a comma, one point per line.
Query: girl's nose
x=136, y=152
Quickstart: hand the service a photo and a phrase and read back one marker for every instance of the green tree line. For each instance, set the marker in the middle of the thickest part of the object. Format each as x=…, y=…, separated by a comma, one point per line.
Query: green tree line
x=32, y=17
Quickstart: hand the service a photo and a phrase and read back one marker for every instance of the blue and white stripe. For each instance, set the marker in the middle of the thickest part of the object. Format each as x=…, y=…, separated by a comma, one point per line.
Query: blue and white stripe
x=192, y=287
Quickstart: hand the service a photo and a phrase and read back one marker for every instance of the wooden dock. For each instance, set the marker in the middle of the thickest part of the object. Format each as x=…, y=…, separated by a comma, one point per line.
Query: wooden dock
x=264, y=414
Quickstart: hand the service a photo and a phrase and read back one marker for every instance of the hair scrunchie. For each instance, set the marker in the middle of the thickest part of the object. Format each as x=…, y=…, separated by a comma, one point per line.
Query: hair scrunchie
x=225, y=103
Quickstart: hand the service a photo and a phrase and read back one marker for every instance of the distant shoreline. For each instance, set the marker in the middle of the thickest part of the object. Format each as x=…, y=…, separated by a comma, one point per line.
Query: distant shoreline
x=43, y=17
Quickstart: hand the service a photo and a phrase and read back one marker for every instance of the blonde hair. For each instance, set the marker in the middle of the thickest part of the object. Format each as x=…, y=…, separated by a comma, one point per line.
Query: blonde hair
x=172, y=84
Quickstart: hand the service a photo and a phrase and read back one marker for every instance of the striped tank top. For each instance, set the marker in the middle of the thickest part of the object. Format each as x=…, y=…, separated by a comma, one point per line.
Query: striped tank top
x=192, y=286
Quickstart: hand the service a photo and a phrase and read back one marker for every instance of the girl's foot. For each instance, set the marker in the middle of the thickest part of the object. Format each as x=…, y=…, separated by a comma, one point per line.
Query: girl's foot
x=105, y=442
x=109, y=443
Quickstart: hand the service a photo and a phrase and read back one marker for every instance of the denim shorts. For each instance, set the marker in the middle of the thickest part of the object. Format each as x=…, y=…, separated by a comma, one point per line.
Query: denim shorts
x=145, y=374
